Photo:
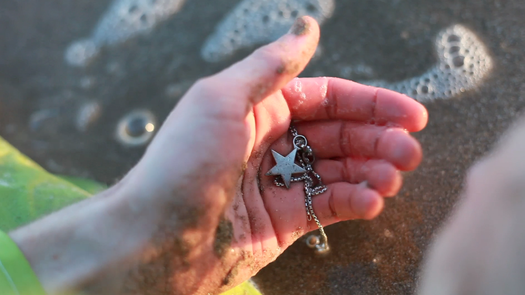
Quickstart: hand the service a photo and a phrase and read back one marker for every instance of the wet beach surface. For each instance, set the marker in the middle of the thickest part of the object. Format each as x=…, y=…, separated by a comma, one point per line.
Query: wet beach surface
x=42, y=98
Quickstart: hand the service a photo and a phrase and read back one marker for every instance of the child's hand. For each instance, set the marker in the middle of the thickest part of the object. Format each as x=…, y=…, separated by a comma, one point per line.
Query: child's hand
x=212, y=153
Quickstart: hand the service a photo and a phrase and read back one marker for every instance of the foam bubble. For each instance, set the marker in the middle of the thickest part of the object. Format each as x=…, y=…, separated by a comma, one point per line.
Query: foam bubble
x=355, y=71
x=127, y=18
x=87, y=82
x=136, y=128
x=253, y=22
x=81, y=53
x=40, y=117
x=88, y=113
x=123, y=20
x=463, y=63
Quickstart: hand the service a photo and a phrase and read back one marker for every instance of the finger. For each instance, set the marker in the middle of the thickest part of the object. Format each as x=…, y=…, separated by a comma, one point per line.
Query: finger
x=341, y=201
x=331, y=139
x=338, y=139
x=334, y=98
x=380, y=175
x=286, y=207
x=265, y=71
x=345, y=201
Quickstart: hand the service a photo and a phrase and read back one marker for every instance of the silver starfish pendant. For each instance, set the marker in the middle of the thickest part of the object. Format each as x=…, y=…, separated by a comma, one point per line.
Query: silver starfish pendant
x=285, y=167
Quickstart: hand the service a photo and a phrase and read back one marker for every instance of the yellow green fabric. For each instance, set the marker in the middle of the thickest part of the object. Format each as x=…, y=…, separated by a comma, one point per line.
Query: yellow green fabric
x=28, y=192
x=246, y=288
x=90, y=186
x=16, y=275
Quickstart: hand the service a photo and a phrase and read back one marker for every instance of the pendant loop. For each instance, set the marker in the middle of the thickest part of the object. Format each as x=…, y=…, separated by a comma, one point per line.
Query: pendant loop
x=299, y=142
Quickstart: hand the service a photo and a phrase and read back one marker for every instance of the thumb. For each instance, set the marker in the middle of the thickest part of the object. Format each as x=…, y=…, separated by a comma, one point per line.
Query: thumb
x=265, y=71
x=211, y=116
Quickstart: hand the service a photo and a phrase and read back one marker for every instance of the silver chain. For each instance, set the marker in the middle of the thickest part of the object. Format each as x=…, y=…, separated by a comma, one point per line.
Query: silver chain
x=313, y=186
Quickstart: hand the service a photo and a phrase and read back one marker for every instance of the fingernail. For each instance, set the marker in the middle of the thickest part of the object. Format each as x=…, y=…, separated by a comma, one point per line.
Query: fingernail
x=300, y=27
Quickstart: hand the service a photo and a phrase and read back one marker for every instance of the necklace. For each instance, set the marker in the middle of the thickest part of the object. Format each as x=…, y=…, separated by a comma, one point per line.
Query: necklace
x=286, y=167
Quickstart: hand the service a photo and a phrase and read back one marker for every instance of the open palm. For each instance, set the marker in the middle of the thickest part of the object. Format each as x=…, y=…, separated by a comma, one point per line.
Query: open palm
x=213, y=152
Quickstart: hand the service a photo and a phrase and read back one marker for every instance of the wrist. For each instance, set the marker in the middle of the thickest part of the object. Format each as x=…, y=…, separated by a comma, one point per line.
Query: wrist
x=81, y=244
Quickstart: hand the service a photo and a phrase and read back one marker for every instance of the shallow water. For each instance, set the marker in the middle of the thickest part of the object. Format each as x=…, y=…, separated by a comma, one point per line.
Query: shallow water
x=66, y=114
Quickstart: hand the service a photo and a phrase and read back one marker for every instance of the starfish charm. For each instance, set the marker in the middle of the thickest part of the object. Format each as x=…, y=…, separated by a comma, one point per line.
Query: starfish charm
x=285, y=167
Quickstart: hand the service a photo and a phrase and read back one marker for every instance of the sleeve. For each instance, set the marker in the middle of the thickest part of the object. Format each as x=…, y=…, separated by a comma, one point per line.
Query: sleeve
x=16, y=275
